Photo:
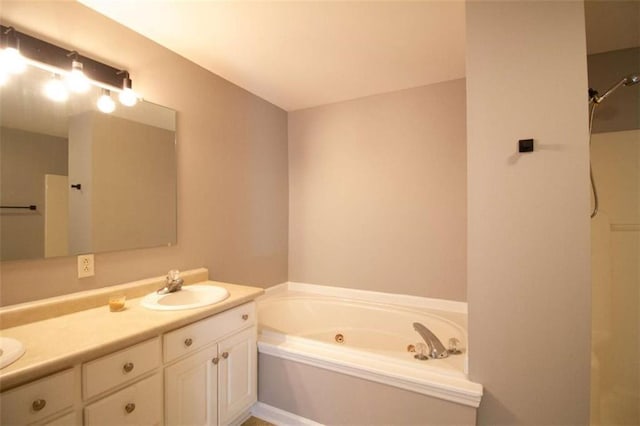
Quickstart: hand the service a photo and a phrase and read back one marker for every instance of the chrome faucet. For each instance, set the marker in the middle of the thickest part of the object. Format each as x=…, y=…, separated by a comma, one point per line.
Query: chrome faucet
x=436, y=348
x=174, y=283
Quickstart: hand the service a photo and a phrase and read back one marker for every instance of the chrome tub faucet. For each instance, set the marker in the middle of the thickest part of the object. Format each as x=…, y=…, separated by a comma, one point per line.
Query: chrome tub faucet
x=436, y=348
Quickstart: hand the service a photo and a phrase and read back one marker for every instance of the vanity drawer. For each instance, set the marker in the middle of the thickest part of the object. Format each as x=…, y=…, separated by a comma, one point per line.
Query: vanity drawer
x=119, y=367
x=194, y=336
x=37, y=400
x=137, y=404
x=70, y=419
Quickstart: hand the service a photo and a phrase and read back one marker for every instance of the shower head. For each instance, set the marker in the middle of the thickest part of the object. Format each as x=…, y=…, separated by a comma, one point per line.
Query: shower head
x=629, y=80
x=632, y=79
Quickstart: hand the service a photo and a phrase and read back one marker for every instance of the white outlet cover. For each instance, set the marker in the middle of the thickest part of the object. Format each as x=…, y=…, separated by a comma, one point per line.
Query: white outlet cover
x=85, y=266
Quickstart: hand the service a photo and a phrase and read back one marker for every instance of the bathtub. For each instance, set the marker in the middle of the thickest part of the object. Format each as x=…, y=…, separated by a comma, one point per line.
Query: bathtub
x=355, y=333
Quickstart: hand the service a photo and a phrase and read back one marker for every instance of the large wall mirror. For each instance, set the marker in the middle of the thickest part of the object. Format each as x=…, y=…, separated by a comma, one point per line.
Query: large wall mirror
x=76, y=180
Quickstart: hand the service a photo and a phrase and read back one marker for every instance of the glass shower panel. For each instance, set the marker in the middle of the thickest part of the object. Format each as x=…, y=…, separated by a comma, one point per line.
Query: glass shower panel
x=615, y=240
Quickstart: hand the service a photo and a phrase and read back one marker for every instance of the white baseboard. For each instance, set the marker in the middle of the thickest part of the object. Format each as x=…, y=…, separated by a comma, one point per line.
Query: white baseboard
x=279, y=417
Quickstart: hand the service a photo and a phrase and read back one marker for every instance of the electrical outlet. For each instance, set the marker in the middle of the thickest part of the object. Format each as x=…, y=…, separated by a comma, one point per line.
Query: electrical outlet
x=85, y=266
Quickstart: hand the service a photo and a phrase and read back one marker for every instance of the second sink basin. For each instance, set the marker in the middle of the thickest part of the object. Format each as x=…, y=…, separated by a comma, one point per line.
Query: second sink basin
x=190, y=297
x=10, y=350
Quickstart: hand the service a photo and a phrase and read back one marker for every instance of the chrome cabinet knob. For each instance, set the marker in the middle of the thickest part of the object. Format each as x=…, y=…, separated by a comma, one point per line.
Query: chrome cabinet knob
x=245, y=316
x=188, y=341
x=128, y=367
x=130, y=407
x=38, y=404
x=216, y=360
x=225, y=355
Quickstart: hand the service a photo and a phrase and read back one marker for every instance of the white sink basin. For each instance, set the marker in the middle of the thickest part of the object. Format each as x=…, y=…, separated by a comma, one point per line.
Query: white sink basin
x=190, y=297
x=10, y=350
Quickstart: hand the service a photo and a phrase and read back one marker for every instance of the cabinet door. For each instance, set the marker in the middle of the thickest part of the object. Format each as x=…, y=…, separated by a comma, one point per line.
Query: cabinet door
x=191, y=389
x=238, y=380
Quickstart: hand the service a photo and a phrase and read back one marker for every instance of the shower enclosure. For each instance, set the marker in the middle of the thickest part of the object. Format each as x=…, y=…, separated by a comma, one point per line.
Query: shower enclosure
x=615, y=236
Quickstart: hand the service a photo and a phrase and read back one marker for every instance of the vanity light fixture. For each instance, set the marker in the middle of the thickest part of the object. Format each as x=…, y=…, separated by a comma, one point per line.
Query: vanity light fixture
x=76, y=79
x=55, y=89
x=105, y=103
x=20, y=49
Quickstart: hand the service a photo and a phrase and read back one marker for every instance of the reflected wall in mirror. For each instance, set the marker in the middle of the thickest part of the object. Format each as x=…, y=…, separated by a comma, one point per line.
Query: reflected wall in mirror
x=99, y=182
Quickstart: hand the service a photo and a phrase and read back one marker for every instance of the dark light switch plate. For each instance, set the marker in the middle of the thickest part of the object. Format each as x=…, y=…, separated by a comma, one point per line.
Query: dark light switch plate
x=525, y=145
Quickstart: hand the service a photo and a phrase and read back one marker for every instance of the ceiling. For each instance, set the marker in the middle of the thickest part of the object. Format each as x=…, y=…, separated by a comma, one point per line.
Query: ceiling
x=612, y=25
x=300, y=54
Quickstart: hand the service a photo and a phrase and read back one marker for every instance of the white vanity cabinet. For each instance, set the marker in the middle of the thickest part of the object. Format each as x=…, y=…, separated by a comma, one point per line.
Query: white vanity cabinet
x=201, y=374
x=214, y=379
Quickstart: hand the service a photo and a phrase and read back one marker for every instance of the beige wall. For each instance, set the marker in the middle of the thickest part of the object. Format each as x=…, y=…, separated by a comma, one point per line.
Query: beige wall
x=25, y=158
x=232, y=164
x=332, y=398
x=528, y=240
x=378, y=193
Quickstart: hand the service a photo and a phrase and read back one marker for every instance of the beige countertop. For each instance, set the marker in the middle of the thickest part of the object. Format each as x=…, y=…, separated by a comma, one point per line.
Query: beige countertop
x=63, y=341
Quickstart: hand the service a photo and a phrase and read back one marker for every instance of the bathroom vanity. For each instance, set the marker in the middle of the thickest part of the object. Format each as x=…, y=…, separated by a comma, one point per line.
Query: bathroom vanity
x=138, y=366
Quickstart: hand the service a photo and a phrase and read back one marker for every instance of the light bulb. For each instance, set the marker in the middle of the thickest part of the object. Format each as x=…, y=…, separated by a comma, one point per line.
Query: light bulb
x=105, y=103
x=55, y=90
x=128, y=97
x=3, y=78
x=76, y=79
x=11, y=61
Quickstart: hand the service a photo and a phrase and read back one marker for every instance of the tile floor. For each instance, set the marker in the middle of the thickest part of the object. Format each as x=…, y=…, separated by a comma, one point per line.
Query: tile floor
x=254, y=421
